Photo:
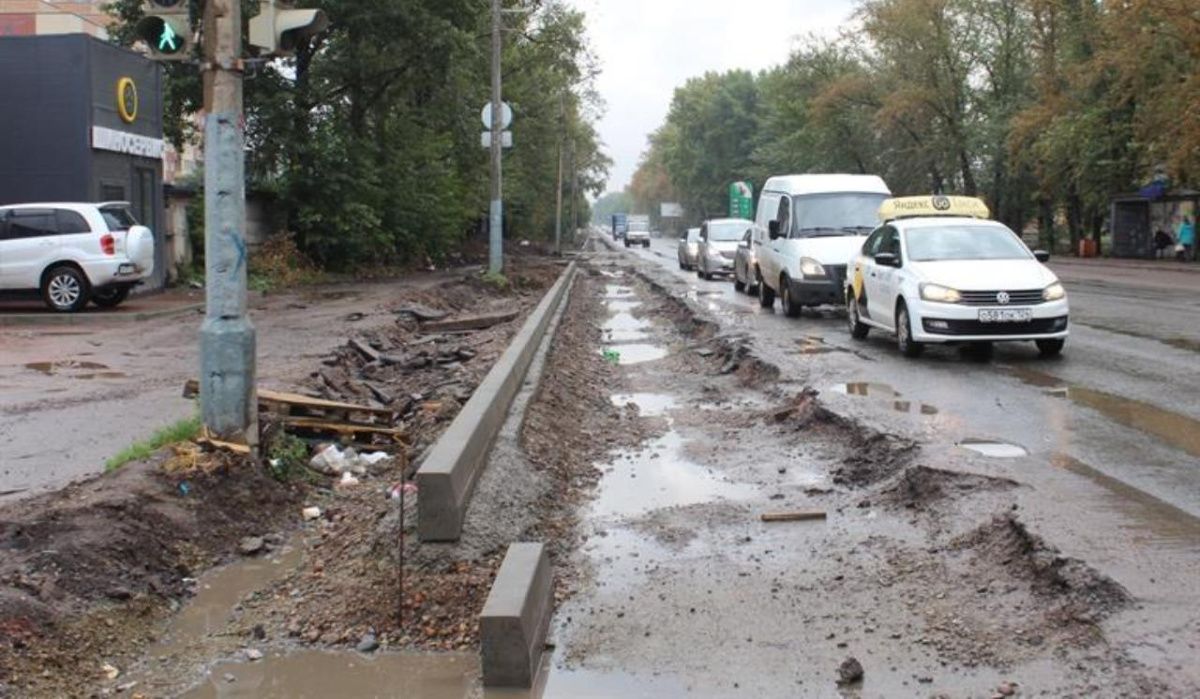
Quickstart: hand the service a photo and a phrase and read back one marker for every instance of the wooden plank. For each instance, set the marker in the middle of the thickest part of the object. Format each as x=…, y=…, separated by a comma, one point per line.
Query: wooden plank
x=368, y=352
x=469, y=323
x=320, y=425
x=224, y=446
x=793, y=516
x=191, y=389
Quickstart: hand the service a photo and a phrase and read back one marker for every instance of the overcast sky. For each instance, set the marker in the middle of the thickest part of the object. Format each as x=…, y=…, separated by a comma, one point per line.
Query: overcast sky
x=647, y=48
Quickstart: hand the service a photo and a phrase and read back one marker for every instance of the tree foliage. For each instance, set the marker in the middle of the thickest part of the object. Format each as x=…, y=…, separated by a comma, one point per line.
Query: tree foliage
x=369, y=137
x=1045, y=108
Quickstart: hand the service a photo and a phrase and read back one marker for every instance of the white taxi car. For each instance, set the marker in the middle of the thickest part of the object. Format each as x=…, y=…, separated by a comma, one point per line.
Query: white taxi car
x=938, y=271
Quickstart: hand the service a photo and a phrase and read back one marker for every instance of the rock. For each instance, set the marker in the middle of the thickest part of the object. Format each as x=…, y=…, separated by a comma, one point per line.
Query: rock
x=251, y=545
x=253, y=654
x=1007, y=689
x=229, y=677
x=120, y=593
x=850, y=671
x=368, y=644
x=110, y=671
x=259, y=632
x=311, y=513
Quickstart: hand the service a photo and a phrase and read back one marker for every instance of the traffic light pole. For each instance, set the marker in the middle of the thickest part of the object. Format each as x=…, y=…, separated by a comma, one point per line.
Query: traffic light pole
x=228, y=401
x=496, y=210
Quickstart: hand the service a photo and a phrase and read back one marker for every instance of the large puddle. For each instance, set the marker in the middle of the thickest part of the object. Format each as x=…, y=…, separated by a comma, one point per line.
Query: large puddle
x=626, y=336
x=75, y=369
x=994, y=448
x=886, y=395
x=1179, y=431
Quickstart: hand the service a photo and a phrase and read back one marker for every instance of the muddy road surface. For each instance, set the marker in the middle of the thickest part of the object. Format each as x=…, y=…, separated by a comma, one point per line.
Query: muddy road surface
x=109, y=385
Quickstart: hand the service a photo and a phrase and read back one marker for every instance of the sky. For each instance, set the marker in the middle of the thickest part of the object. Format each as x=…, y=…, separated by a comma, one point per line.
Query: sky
x=647, y=48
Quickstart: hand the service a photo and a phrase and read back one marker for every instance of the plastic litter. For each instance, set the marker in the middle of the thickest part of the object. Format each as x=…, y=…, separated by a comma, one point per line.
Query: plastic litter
x=311, y=513
x=612, y=356
x=334, y=461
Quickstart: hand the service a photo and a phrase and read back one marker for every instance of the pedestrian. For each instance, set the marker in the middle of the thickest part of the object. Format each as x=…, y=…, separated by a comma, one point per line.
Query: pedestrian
x=1187, y=238
x=1162, y=241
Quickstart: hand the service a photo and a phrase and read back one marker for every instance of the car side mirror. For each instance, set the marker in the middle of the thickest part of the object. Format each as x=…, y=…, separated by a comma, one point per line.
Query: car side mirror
x=773, y=229
x=1041, y=255
x=887, y=259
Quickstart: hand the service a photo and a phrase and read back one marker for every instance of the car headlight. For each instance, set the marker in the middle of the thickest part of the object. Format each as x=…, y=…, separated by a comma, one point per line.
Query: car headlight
x=1054, y=292
x=811, y=268
x=942, y=294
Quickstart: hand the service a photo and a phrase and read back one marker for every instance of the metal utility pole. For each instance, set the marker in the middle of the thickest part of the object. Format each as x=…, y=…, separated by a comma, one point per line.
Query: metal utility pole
x=574, y=190
x=496, y=211
x=558, y=190
x=227, y=341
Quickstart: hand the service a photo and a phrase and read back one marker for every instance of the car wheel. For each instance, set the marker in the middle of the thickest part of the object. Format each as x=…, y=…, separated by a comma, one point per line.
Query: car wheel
x=65, y=289
x=904, y=342
x=790, y=307
x=858, y=329
x=738, y=284
x=110, y=298
x=766, y=295
x=1050, y=348
x=646, y=244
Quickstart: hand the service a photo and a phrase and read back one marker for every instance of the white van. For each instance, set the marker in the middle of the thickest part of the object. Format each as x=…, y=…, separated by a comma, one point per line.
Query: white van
x=807, y=228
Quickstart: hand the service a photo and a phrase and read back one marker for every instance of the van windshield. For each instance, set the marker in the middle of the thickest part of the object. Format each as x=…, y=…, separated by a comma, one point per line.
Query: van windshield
x=835, y=214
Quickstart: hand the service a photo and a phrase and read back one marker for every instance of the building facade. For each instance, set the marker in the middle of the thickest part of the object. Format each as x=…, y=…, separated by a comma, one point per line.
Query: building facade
x=46, y=17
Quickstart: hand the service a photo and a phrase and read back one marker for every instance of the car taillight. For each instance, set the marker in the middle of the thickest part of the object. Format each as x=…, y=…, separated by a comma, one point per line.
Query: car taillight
x=108, y=244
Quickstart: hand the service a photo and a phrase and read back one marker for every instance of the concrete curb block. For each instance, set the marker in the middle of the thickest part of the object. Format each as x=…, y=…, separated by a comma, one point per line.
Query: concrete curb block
x=516, y=617
x=451, y=470
x=95, y=318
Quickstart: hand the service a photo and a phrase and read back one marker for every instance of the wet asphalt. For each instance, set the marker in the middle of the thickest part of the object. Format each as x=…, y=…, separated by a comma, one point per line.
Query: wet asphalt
x=1123, y=400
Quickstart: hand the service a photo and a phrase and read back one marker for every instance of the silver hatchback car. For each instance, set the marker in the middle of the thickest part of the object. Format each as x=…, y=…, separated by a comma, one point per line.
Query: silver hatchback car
x=689, y=247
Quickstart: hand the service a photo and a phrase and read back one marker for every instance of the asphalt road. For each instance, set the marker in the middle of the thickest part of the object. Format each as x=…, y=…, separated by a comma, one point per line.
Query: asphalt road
x=1124, y=399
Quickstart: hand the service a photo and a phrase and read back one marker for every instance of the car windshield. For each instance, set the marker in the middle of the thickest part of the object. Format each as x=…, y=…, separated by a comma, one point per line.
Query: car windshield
x=118, y=218
x=693, y=235
x=727, y=232
x=964, y=243
x=841, y=213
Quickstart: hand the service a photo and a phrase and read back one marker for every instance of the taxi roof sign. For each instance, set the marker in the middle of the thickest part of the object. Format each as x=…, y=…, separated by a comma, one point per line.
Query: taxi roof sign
x=936, y=205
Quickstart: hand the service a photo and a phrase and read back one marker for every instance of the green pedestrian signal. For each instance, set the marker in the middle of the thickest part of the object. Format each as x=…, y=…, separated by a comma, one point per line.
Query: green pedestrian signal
x=166, y=29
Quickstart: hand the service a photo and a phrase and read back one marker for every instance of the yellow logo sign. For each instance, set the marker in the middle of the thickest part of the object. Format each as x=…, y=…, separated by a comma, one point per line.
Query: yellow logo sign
x=127, y=100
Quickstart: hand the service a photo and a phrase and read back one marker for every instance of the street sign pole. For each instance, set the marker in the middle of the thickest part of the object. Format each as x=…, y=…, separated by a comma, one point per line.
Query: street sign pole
x=496, y=210
x=558, y=190
x=227, y=339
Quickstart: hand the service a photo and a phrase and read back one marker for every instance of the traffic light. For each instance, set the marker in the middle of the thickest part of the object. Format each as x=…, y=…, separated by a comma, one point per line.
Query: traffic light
x=279, y=28
x=167, y=29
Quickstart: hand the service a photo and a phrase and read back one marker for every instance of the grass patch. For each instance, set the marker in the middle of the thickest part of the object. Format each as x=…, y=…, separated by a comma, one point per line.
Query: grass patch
x=181, y=431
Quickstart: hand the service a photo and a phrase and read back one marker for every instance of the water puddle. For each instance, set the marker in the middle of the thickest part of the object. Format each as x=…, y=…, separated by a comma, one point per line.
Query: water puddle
x=885, y=394
x=1155, y=519
x=322, y=674
x=994, y=449
x=75, y=369
x=657, y=476
x=636, y=353
x=218, y=593
x=1179, y=431
x=616, y=291
x=648, y=404
x=816, y=345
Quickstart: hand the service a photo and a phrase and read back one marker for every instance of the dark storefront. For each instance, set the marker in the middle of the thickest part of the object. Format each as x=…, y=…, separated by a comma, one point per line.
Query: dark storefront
x=82, y=121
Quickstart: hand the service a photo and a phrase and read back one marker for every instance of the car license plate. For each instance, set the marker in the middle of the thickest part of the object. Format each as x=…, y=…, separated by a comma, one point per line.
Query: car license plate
x=1005, y=315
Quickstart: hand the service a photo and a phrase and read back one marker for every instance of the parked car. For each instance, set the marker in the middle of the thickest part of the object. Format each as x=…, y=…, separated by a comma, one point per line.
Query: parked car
x=938, y=271
x=719, y=240
x=689, y=245
x=73, y=253
x=744, y=264
x=807, y=228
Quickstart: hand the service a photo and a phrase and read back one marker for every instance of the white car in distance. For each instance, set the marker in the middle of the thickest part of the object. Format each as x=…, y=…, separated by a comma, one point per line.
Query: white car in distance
x=938, y=271
x=72, y=253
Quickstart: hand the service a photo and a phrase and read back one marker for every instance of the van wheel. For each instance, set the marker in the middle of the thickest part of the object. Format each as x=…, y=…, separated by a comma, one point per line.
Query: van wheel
x=766, y=295
x=1050, y=348
x=858, y=329
x=904, y=342
x=65, y=289
x=790, y=307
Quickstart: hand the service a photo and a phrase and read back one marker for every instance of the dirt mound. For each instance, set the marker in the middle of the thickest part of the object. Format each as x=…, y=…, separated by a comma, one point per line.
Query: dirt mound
x=921, y=486
x=874, y=457
x=1082, y=593
x=119, y=549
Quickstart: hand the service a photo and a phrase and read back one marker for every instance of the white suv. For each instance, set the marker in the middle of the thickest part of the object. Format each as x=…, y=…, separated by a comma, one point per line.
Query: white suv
x=73, y=253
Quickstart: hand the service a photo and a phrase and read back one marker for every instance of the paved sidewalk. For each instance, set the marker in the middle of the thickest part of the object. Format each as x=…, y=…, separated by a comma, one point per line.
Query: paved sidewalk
x=1150, y=265
x=138, y=307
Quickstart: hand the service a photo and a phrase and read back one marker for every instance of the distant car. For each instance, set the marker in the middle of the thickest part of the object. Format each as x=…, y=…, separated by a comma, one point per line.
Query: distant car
x=72, y=253
x=719, y=239
x=938, y=271
x=637, y=237
x=744, y=278
x=689, y=245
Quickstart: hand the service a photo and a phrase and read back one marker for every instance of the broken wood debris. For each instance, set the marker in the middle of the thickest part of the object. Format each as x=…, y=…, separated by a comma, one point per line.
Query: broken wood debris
x=365, y=350
x=797, y=516
x=479, y=322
